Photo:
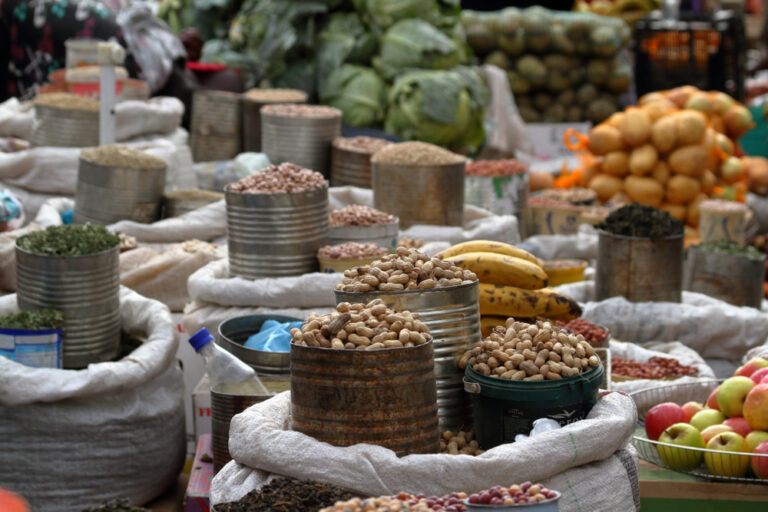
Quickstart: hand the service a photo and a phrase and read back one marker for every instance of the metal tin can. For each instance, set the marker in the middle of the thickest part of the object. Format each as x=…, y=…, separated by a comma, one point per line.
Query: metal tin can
x=86, y=289
x=383, y=235
x=350, y=167
x=60, y=127
x=215, y=126
x=732, y=278
x=274, y=235
x=250, y=109
x=223, y=407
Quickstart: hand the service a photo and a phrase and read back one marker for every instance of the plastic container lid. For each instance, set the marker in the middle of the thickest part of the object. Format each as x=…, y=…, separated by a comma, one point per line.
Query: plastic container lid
x=200, y=339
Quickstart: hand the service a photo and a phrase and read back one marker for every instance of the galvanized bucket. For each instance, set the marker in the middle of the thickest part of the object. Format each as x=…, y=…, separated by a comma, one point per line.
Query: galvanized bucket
x=350, y=167
x=250, y=109
x=383, y=235
x=215, y=126
x=213, y=148
x=420, y=194
x=86, y=289
x=107, y=194
x=273, y=368
x=223, y=407
x=453, y=317
x=179, y=202
x=59, y=127
x=304, y=141
x=275, y=235
x=382, y=397
x=732, y=278
x=639, y=269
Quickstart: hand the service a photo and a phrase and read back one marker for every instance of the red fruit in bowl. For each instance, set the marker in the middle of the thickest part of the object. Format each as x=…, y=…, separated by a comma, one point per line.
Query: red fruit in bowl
x=662, y=416
x=759, y=461
x=759, y=375
x=691, y=408
x=739, y=425
x=712, y=400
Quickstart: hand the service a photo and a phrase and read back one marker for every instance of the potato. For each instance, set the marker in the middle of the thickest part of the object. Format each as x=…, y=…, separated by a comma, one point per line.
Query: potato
x=606, y=186
x=635, y=127
x=651, y=97
x=645, y=191
x=642, y=160
x=690, y=126
x=539, y=180
x=710, y=147
x=663, y=135
x=616, y=163
x=677, y=211
x=587, y=173
x=679, y=95
x=658, y=109
x=708, y=181
x=682, y=189
x=615, y=120
x=692, y=214
x=604, y=138
x=688, y=160
x=661, y=172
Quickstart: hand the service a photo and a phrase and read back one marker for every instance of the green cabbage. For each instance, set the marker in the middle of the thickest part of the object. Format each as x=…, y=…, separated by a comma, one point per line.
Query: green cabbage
x=382, y=14
x=358, y=92
x=415, y=44
x=441, y=107
x=343, y=40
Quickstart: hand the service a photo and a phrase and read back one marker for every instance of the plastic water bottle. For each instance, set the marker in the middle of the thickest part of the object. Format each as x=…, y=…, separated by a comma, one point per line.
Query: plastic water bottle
x=227, y=373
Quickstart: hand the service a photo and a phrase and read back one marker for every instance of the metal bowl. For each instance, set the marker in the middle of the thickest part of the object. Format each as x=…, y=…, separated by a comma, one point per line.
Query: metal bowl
x=233, y=333
x=549, y=505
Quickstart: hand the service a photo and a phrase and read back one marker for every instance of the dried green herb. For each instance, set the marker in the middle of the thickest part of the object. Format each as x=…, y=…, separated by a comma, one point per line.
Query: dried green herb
x=37, y=320
x=725, y=247
x=70, y=240
x=116, y=505
x=641, y=221
x=287, y=495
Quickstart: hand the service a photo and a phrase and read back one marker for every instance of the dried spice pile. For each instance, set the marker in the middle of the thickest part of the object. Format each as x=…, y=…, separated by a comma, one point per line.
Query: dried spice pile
x=300, y=110
x=287, y=495
x=69, y=240
x=415, y=153
x=361, y=144
x=276, y=95
x=641, y=221
x=37, y=320
x=121, y=156
x=280, y=179
x=359, y=215
x=65, y=100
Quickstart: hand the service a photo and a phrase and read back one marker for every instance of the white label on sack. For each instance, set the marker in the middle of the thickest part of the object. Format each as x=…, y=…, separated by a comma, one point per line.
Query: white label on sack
x=38, y=349
x=548, y=138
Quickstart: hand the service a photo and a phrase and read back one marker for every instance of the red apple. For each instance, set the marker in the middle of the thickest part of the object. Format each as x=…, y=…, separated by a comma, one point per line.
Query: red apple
x=662, y=416
x=759, y=375
x=760, y=463
x=710, y=432
x=756, y=407
x=739, y=425
x=732, y=394
x=712, y=400
x=751, y=367
x=691, y=408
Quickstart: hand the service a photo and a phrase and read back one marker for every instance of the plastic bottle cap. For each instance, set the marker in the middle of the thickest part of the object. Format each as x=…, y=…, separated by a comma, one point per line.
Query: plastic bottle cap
x=200, y=339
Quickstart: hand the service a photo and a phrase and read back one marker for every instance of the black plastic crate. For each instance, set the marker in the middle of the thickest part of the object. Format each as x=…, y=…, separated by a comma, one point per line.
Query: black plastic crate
x=706, y=51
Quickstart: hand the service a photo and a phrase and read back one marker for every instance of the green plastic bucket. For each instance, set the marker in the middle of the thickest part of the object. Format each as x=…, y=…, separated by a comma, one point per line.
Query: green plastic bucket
x=504, y=408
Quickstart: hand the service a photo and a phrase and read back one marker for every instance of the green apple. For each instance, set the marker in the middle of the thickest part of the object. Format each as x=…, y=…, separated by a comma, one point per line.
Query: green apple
x=727, y=462
x=754, y=438
x=682, y=459
x=707, y=418
x=733, y=392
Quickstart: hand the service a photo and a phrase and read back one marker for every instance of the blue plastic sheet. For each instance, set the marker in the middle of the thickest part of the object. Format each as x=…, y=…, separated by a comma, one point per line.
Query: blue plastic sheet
x=274, y=336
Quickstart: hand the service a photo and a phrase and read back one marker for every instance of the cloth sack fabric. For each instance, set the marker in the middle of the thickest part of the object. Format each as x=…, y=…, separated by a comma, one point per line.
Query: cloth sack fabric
x=581, y=246
x=589, y=461
x=76, y=438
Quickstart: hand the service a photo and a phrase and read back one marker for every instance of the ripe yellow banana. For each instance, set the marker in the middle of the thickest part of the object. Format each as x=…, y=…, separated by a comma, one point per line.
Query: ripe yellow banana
x=510, y=301
x=489, y=246
x=488, y=322
x=500, y=269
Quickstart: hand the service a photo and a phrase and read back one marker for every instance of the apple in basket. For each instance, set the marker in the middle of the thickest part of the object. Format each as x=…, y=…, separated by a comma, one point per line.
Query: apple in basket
x=729, y=459
x=759, y=376
x=756, y=407
x=691, y=408
x=732, y=394
x=681, y=434
x=707, y=418
x=712, y=400
x=710, y=432
x=751, y=366
x=662, y=416
x=739, y=425
x=760, y=464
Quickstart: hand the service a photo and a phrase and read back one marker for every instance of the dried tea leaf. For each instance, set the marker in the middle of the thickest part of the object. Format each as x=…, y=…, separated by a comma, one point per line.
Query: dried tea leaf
x=70, y=240
x=37, y=320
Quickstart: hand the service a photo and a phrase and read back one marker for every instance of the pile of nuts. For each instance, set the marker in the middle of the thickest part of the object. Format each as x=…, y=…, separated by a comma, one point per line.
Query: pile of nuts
x=411, y=243
x=276, y=95
x=530, y=352
x=300, y=110
x=279, y=179
x=506, y=167
x=453, y=502
x=591, y=332
x=461, y=443
x=407, y=269
x=369, y=326
x=368, y=145
x=526, y=492
x=351, y=250
x=654, y=368
x=359, y=215
x=383, y=504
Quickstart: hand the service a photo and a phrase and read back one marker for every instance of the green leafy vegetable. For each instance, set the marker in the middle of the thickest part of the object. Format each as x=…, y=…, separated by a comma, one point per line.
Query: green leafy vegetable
x=343, y=40
x=358, y=92
x=725, y=247
x=36, y=320
x=69, y=240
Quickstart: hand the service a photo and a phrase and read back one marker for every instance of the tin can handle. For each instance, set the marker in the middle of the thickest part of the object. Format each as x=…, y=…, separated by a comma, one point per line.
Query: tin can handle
x=471, y=387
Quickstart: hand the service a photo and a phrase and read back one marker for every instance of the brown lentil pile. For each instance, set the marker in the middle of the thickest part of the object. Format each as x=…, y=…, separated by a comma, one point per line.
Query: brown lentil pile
x=591, y=332
x=361, y=144
x=280, y=179
x=351, y=250
x=300, y=110
x=371, y=326
x=415, y=153
x=654, y=368
x=359, y=215
x=505, y=167
x=65, y=100
x=276, y=95
x=460, y=443
x=383, y=504
x=530, y=352
x=287, y=495
x=121, y=156
x=407, y=269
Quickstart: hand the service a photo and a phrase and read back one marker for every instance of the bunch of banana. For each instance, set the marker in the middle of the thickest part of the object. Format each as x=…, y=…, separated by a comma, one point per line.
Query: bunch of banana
x=512, y=283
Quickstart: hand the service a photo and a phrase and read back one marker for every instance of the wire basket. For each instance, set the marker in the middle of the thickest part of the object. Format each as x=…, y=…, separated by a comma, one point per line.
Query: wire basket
x=700, y=462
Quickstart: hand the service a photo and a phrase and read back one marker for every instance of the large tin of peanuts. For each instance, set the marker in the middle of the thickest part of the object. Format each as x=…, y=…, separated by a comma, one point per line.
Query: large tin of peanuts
x=453, y=318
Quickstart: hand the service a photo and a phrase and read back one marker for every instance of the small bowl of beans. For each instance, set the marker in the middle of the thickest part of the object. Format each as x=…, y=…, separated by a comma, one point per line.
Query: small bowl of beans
x=596, y=335
x=656, y=368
